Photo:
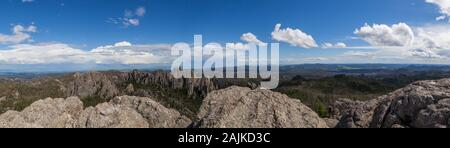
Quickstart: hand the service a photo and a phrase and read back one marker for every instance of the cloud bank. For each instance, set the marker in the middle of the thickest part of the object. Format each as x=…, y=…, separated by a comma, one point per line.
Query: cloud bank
x=58, y=53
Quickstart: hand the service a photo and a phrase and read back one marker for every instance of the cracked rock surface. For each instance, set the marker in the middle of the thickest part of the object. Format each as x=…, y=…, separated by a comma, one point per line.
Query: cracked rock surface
x=121, y=112
x=239, y=107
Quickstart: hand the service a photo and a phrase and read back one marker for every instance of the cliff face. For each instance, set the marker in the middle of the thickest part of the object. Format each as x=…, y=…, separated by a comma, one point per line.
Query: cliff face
x=423, y=104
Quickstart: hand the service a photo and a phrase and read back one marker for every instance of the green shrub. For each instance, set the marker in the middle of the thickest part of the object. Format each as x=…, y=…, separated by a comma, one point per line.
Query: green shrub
x=92, y=101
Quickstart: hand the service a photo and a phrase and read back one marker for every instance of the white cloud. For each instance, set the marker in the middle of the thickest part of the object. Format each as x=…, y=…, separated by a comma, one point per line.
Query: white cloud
x=383, y=35
x=425, y=53
x=237, y=46
x=122, y=44
x=140, y=11
x=403, y=36
x=317, y=59
x=433, y=37
x=126, y=22
x=126, y=53
x=295, y=37
x=432, y=42
x=130, y=18
x=41, y=54
x=128, y=13
x=19, y=34
x=133, y=22
x=360, y=54
x=440, y=18
x=340, y=45
x=444, y=8
x=251, y=38
x=337, y=45
x=57, y=53
x=429, y=43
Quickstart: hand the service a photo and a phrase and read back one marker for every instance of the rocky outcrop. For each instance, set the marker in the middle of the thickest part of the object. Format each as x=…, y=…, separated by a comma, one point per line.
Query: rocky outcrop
x=195, y=87
x=47, y=113
x=423, y=104
x=2, y=99
x=121, y=112
x=353, y=114
x=129, y=111
x=239, y=107
x=332, y=123
x=92, y=84
x=110, y=84
x=130, y=89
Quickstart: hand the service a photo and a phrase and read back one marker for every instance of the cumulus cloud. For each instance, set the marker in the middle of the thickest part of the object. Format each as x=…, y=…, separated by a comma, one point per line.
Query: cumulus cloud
x=58, y=53
x=432, y=42
x=19, y=34
x=402, y=41
x=444, y=8
x=433, y=37
x=251, y=38
x=383, y=35
x=337, y=45
x=295, y=37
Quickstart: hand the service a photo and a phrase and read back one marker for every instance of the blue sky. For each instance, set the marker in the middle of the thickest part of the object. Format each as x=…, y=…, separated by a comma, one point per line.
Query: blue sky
x=88, y=24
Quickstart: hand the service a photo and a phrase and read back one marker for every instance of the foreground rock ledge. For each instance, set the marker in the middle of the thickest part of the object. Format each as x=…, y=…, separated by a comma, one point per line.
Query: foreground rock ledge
x=423, y=104
x=238, y=107
x=121, y=112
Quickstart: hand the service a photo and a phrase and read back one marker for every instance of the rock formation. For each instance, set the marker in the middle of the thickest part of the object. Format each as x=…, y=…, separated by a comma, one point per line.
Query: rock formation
x=121, y=112
x=109, y=84
x=47, y=113
x=235, y=107
x=352, y=114
x=195, y=87
x=238, y=107
x=92, y=84
x=2, y=99
x=423, y=104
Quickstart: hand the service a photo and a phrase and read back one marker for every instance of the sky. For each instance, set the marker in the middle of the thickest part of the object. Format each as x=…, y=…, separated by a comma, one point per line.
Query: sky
x=143, y=31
